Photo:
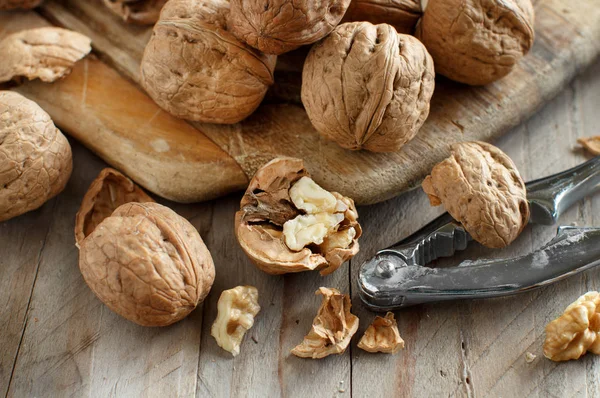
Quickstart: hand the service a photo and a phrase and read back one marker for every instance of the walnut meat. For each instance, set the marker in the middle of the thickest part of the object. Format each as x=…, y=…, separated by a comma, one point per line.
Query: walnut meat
x=382, y=336
x=194, y=68
x=141, y=12
x=403, y=15
x=591, y=144
x=477, y=41
x=35, y=157
x=480, y=186
x=47, y=54
x=237, y=309
x=147, y=264
x=576, y=331
x=366, y=86
x=15, y=4
x=288, y=223
x=332, y=328
x=279, y=26
x=108, y=191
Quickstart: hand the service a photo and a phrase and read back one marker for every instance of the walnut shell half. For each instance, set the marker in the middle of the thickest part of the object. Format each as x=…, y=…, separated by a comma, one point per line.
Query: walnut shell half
x=140, y=12
x=403, y=15
x=480, y=186
x=382, y=336
x=35, y=157
x=366, y=86
x=147, y=264
x=477, y=41
x=283, y=226
x=16, y=4
x=195, y=69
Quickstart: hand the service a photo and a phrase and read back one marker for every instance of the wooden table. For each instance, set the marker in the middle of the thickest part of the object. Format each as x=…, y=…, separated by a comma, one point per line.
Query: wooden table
x=58, y=339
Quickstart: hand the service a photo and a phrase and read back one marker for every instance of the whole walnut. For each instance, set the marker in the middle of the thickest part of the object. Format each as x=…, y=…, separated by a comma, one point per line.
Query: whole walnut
x=194, y=68
x=403, y=15
x=140, y=12
x=147, y=264
x=35, y=157
x=279, y=26
x=23, y=4
x=477, y=41
x=367, y=87
x=480, y=186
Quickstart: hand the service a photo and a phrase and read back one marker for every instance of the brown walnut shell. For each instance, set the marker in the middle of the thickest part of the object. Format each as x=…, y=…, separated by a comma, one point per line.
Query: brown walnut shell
x=195, y=69
x=403, y=15
x=35, y=157
x=367, y=87
x=477, y=41
x=16, y=4
x=140, y=12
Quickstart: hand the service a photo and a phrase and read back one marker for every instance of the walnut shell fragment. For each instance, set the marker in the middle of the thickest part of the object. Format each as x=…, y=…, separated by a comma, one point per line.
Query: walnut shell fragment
x=480, y=186
x=195, y=69
x=332, y=328
x=382, y=336
x=108, y=191
x=47, y=54
x=477, y=41
x=576, y=331
x=19, y=4
x=279, y=26
x=590, y=144
x=147, y=264
x=237, y=309
x=140, y=12
x=287, y=223
x=35, y=157
x=367, y=87
x=403, y=15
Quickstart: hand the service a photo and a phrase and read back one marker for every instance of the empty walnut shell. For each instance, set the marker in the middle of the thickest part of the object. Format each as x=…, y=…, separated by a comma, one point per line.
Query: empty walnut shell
x=195, y=69
x=480, y=186
x=15, y=4
x=267, y=206
x=279, y=26
x=35, y=157
x=140, y=12
x=147, y=264
x=477, y=41
x=403, y=15
x=366, y=86
x=382, y=336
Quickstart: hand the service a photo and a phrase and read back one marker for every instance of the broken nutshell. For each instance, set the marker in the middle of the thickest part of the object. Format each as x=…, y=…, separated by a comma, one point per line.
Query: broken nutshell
x=480, y=186
x=590, y=144
x=382, y=336
x=288, y=223
x=140, y=12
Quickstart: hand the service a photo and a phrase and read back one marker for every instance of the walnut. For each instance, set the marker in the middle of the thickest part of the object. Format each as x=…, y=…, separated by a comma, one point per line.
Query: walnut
x=141, y=12
x=403, y=15
x=35, y=157
x=480, y=186
x=147, y=264
x=237, y=309
x=591, y=144
x=382, y=336
x=288, y=223
x=279, y=26
x=366, y=86
x=476, y=41
x=332, y=328
x=47, y=54
x=15, y=4
x=197, y=70
x=108, y=191
x=576, y=331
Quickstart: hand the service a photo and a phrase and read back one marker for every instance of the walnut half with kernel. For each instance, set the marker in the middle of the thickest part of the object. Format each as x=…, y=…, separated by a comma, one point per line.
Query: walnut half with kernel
x=382, y=336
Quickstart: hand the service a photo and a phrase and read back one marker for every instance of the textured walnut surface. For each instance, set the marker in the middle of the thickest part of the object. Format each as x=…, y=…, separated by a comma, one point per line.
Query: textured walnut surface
x=332, y=328
x=35, y=157
x=480, y=186
x=142, y=12
x=194, y=68
x=477, y=41
x=43, y=53
x=147, y=264
x=279, y=26
x=576, y=331
x=403, y=15
x=14, y=4
x=366, y=86
x=591, y=144
x=382, y=336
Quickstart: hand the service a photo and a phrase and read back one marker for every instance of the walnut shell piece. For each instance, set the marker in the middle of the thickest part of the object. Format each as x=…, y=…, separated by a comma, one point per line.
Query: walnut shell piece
x=108, y=191
x=237, y=309
x=332, y=328
x=367, y=87
x=47, y=54
x=35, y=157
x=480, y=186
x=590, y=144
x=287, y=223
x=382, y=336
x=403, y=15
x=18, y=4
x=140, y=12
x=279, y=26
x=197, y=70
x=477, y=41
x=576, y=331
x=147, y=264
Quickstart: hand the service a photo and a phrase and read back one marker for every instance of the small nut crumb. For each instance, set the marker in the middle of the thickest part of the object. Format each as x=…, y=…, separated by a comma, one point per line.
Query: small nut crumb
x=382, y=336
x=18, y=4
x=529, y=357
x=591, y=144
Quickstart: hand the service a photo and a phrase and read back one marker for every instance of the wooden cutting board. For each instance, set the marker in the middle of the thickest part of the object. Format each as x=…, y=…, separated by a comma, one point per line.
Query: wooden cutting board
x=99, y=107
